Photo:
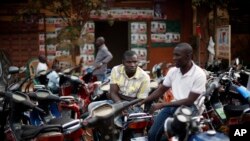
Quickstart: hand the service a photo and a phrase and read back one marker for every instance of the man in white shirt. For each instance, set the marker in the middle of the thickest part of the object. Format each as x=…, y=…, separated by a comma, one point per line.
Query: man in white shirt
x=42, y=65
x=41, y=70
x=187, y=81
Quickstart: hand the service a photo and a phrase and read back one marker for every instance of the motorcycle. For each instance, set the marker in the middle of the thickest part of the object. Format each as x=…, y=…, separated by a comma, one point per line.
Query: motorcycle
x=227, y=103
x=136, y=126
x=183, y=126
x=15, y=110
x=186, y=125
x=102, y=116
x=14, y=128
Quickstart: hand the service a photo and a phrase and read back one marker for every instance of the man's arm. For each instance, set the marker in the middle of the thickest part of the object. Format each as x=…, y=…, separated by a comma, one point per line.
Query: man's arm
x=108, y=57
x=187, y=101
x=114, y=89
x=156, y=94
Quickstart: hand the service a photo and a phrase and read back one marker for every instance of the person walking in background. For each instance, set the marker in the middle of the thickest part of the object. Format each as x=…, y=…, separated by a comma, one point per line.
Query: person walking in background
x=187, y=81
x=103, y=57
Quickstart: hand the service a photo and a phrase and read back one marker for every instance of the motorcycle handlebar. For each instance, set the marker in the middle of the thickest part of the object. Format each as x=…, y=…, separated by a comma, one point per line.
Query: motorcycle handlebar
x=215, y=84
x=90, y=122
x=40, y=110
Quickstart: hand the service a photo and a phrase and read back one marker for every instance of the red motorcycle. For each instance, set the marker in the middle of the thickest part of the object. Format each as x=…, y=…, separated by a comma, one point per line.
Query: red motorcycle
x=78, y=90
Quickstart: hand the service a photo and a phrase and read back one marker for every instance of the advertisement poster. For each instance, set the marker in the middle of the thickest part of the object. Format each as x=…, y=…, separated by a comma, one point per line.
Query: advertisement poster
x=165, y=33
x=223, y=42
x=138, y=39
x=138, y=34
x=87, y=50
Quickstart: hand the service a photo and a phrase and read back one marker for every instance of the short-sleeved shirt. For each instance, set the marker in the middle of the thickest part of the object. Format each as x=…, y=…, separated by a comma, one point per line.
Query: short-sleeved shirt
x=192, y=81
x=134, y=87
x=41, y=67
x=53, y=80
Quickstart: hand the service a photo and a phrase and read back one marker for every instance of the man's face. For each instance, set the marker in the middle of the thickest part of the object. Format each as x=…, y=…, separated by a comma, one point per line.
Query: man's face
x=130, y=64
x=98, y=42
x=180, y=57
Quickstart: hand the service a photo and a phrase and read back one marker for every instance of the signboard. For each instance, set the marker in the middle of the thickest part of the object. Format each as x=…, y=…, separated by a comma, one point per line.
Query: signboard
x=122, y=14
x=223, y=42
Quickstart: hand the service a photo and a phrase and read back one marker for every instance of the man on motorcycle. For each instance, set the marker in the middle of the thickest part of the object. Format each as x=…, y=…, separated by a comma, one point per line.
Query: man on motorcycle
x=128, y=81
x=187, y=81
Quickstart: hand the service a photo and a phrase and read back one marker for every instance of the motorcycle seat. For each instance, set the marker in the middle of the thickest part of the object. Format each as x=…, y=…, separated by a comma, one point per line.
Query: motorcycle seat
x=29, y=131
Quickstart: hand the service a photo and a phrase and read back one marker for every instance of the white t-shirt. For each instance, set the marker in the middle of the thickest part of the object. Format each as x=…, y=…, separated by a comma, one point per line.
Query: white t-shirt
x=41, y=67
x=192, y=81
x=53, y=80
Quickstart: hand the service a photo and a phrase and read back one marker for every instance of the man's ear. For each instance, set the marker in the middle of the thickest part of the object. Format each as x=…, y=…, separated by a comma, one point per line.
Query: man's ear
x=190, y=55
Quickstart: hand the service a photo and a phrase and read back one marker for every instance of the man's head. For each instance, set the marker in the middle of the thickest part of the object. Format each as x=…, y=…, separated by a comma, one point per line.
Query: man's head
x=182, y=55
x=130, y=62
x=42, y=58
x=99, y=41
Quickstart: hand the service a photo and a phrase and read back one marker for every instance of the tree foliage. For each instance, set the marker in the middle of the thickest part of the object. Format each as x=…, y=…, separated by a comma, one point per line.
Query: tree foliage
x=74, y=12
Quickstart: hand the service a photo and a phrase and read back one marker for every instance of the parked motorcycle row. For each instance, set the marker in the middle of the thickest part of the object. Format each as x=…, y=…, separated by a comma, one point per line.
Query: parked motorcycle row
x=31, y=111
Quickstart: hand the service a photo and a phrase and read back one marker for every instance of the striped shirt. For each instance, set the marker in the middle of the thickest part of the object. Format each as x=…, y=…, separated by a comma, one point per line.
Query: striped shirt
x=134, y=87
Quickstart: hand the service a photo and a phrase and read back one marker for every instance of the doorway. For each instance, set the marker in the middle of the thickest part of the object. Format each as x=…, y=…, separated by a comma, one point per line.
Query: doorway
x=116, y=38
